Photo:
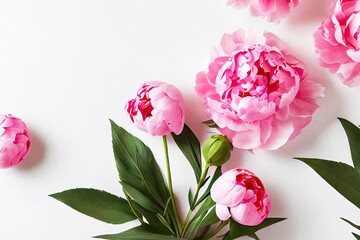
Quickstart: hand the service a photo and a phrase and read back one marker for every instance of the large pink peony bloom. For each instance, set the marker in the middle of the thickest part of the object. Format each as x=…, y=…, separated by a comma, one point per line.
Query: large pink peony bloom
x=14, y=141
x=273, y=10
x=256, y=92
x=244, y=194
x=158, y=109
x=337, y=41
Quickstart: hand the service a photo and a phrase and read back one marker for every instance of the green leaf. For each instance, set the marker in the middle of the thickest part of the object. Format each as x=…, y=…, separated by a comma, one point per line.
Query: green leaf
x=352, y=224
x=140, y=198
x=353, y=135
x=211, y=124
x=133, y=209
x=237, y=230
x=190, y=147
x=206, y=193
x=166, y=224
x=356, y=236
x=137, y=166
x=198, y=218
x=208, y=204
x=194, y=226
x=190, y=196
x=344, y=178
x=152, y=219
x=203, y=233
x=210, y=219
x=168, y=203
x=208, y=122
x=142, y=232
x=97, y=204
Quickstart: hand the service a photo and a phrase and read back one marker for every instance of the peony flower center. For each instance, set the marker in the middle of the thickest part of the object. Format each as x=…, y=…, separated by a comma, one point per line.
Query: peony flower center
x=145, y=107
x=142, y=103
x=250, y=74
x=253, y=184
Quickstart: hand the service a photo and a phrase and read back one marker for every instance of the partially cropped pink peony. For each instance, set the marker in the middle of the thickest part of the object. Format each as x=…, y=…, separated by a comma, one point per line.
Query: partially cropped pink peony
x=256, y=92
x=158, y=109
x=337, y=41
x=14, y=141
x=273, y=10
x=239, y=194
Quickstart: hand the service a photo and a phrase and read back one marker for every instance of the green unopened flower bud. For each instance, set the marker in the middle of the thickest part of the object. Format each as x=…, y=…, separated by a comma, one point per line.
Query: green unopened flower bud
x=217, y=150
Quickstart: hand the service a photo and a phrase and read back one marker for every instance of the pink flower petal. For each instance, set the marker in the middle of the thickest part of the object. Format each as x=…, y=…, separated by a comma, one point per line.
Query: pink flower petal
x=222, y=212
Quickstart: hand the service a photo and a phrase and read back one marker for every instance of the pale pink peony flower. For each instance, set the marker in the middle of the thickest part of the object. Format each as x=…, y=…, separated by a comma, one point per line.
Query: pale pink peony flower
x=244, y=194
x=14, y=141
x=158, y=109
x=337, y=41
x=273, y=10
x=256, y=92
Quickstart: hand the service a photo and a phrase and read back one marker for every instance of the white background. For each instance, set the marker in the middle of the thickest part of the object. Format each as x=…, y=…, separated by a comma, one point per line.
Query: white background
x=67, y=66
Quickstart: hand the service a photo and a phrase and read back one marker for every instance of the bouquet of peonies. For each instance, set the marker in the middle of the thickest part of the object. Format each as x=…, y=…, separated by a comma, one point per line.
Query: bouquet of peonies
x=236, y=198
x=257, y=95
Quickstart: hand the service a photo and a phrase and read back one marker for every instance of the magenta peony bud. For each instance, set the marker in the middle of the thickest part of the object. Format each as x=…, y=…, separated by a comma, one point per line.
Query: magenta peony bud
x=158, y=109
x=239, y=194
x=14, y=141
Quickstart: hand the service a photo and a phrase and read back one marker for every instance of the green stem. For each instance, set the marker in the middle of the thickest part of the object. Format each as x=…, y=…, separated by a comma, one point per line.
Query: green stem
x=204, y=232
x=218, y=229
x=192, y=205
x=200, y=183
x=186, y=223
x=172, y=197
x=133, y=209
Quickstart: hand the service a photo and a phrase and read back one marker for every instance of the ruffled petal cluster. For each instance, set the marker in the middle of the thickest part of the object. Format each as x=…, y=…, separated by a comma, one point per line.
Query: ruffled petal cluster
x=256, y=92
x=14, y=141
x=337, y=41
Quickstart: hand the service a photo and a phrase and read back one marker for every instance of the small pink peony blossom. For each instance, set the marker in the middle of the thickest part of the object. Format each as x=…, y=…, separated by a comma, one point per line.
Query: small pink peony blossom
x=14, y=141
x=273, y=10
x=239, y=194
x=158, y=109
x=337, y=41
x=256, y=92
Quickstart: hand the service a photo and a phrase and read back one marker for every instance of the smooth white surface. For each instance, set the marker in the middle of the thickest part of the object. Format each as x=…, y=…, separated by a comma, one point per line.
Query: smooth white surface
x=67, y=66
